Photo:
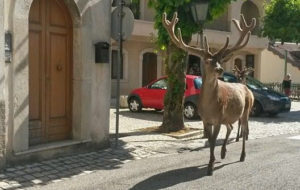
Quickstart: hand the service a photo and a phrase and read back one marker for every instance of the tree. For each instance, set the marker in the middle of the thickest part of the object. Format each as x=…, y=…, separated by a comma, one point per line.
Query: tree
x=282, y=20
x=175, y=62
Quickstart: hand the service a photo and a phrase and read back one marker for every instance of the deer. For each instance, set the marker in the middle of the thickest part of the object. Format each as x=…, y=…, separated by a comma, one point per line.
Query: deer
x=219, y=102
x=241, y=76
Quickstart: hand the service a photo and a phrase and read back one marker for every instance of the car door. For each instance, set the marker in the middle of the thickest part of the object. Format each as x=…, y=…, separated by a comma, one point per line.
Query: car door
x=154, y=98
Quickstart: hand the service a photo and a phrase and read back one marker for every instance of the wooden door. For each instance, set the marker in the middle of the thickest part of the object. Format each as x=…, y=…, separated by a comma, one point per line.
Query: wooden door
x=149, y=68
x=50, y=72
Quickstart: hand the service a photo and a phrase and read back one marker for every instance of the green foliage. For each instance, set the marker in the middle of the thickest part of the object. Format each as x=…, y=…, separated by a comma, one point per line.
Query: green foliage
x=186, y=23
x=175, y=59
x=282, y=20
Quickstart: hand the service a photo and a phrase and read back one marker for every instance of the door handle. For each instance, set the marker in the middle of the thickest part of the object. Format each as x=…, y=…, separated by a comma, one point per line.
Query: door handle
x=58, y=67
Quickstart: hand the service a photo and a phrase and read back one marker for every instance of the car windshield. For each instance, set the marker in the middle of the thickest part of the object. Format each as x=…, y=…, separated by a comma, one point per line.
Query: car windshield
x=198, y=83
x=160, y=84
x=255, y=84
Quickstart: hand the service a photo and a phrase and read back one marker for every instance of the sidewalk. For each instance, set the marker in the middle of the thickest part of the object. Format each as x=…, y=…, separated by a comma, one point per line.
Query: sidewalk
x=134, y=145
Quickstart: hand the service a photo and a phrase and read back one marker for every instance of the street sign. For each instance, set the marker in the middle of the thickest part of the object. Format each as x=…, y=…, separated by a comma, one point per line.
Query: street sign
x=127, y=23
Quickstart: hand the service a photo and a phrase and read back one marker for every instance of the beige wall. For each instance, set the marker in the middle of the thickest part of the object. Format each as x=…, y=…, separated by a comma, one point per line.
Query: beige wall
x=132, y=65
x=272, y=68
x=91, y=82
x=146, y=12
x=268, y=66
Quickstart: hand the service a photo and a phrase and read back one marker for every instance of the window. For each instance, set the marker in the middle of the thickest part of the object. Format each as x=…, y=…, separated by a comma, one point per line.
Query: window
x=194, y=65
x=135, y=8
x=250, y=63
x=161, y=84
x=114, y=62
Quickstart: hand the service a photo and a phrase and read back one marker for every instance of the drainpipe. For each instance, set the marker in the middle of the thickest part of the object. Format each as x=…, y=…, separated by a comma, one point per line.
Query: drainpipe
x=285, y=63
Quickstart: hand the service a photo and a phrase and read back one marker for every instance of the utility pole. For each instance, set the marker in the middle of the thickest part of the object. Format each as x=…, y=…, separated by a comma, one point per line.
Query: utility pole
x=121, y=29
x=120, y=61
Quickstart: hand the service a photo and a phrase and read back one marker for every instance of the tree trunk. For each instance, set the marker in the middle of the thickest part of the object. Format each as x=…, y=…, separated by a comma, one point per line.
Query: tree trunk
x=173, y=103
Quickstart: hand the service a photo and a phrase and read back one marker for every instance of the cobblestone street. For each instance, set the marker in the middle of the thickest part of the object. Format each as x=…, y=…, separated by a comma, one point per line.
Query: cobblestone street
x=260, y=127
x=134, y=145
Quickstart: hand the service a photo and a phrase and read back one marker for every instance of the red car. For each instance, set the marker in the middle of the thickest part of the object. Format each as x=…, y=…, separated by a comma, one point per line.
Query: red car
x=152, y=96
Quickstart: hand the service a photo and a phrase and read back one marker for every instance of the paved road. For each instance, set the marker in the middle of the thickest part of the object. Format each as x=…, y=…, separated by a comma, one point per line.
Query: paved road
x=271, y=163
x=136, y=145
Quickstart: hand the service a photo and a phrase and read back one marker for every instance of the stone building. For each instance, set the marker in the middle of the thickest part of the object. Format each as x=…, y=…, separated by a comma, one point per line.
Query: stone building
x=54, y=98
x=143, y=63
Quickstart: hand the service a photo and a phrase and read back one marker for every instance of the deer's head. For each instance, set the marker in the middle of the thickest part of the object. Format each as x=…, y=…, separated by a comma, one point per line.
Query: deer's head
x=241, y=75
x=213, y=60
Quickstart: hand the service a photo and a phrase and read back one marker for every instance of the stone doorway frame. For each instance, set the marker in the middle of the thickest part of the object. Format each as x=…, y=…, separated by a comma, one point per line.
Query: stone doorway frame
x=18, y=116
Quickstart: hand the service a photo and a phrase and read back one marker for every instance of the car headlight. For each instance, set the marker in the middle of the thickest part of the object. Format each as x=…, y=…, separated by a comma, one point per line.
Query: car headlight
x=274, y=98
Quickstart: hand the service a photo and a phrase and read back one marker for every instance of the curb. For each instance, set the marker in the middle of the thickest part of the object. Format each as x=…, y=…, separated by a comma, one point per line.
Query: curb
x=186, y=135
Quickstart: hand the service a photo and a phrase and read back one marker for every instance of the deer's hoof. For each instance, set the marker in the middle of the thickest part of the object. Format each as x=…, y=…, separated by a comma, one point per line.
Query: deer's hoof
x=210, y=171
x=243, y=156
x=223, y=153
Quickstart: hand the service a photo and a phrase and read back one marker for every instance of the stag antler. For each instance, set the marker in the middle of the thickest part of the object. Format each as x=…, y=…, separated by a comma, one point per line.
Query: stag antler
x=242, y=74
x=245, y=33
x=236, y=69
x=178, y=41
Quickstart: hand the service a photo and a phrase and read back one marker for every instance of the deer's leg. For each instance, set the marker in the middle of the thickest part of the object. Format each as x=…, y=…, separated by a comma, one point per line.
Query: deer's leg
x=212, y=143
x=238, y=132
x=243, y=154
x=247, y=131
x=223, y=151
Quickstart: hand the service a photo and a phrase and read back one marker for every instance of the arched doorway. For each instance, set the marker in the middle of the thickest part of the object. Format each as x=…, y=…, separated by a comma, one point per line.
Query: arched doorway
x=149, y=72
x=238, y=64
x=250, y=10
x=50, y=72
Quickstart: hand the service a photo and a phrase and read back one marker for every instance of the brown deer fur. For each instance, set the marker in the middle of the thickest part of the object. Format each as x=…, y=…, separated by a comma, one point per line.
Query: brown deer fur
x=219, y=102
x=241, y=76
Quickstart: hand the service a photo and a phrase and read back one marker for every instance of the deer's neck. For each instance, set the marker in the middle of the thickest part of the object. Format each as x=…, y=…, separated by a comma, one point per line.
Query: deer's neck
x=209, y=87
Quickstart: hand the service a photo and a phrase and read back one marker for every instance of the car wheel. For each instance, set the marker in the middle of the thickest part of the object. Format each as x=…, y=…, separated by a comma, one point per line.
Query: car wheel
x=190, y=111
x=134, y=104
x=256, y=109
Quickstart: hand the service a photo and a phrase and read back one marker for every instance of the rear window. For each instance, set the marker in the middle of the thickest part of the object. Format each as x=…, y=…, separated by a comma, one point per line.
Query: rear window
x=198, y=83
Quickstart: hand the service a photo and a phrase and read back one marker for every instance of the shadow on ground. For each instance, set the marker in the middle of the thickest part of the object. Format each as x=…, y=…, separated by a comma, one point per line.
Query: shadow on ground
x=54, y=170
x=293, y=116
x=148, y=115
x=174, y=177
x=152, y=115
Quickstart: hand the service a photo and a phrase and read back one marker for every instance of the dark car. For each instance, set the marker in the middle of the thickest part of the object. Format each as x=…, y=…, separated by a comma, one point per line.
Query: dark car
x=266, y=100
x=152, y=96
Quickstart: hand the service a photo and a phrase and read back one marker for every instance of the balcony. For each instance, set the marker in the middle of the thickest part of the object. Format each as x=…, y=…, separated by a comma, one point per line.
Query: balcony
x=216, y=34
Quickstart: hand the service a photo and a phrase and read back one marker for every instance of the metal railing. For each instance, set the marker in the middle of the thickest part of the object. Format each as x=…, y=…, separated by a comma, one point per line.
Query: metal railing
x=295, y=89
